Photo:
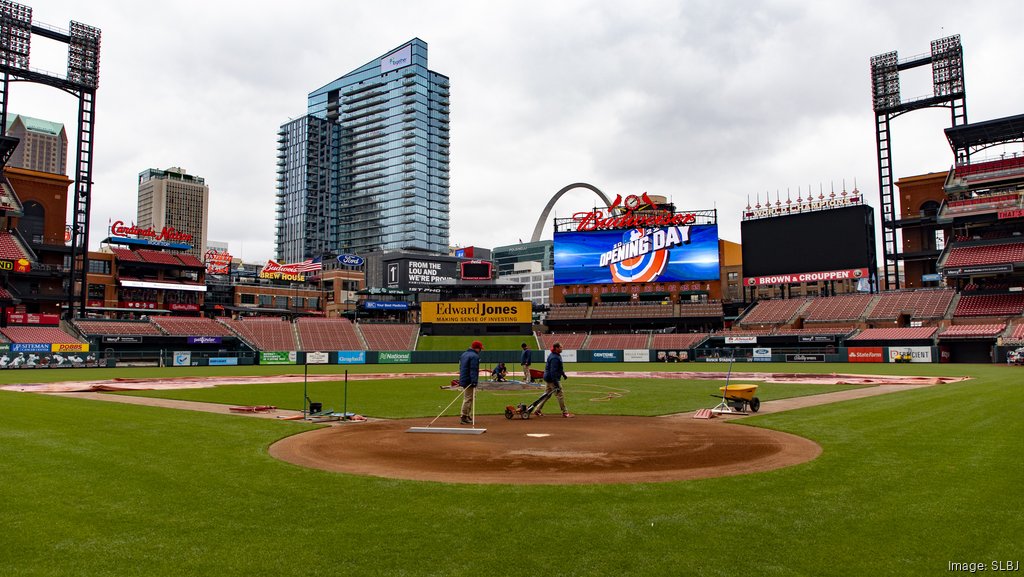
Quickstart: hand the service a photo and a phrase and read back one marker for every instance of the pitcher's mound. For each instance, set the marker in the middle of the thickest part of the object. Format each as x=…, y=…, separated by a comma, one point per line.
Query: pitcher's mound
x=549, y=450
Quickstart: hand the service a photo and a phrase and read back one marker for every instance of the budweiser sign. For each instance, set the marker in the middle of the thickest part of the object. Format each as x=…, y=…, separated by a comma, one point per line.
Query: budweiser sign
x=168, y=233
x=626, y=213
x=293, y=272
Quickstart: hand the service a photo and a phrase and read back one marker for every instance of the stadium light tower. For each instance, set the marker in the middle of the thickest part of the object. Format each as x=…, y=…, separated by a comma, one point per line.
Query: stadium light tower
x=16, y=30
x=947, y=62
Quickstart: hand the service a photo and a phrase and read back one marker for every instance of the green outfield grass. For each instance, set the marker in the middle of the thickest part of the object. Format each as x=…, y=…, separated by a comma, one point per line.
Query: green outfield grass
x=491, y=343
x=907, y=483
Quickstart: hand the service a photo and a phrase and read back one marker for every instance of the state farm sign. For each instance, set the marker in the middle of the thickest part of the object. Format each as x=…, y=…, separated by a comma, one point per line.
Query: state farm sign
x=865, y=355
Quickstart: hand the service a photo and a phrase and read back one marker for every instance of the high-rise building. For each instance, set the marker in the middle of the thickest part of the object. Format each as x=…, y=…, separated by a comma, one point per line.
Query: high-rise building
x=506, y=257
x=386, y=155
x=43, y=145
x=307, y=217
x=175, y=198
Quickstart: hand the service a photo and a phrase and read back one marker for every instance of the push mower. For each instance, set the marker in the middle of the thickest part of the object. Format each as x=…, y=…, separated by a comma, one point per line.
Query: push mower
x=525, y=411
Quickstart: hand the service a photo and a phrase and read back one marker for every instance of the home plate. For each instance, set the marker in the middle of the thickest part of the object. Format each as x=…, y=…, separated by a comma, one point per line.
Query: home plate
x=538, y=434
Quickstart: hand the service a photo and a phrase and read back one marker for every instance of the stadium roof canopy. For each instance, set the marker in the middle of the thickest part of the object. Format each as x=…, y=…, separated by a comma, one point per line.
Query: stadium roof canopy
x=981, y=134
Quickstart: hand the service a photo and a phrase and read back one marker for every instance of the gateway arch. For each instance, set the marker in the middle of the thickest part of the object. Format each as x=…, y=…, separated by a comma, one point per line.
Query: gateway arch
x=551, y=203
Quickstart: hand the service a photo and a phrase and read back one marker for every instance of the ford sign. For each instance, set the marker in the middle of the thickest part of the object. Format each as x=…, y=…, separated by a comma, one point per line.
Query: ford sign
x=350, y=260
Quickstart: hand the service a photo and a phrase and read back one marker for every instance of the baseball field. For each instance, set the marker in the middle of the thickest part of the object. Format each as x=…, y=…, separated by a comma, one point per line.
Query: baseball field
x=905, y=483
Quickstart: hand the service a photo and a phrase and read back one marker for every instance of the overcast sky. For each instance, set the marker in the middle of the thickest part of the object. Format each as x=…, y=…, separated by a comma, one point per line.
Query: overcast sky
x=705, y=102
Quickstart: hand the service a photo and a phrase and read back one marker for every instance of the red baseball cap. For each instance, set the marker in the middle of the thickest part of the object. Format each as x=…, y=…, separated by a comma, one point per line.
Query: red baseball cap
x=477, y=345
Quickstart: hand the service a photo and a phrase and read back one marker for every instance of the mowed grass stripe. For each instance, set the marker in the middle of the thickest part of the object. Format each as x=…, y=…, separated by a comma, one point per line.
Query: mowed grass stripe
x=906, y=483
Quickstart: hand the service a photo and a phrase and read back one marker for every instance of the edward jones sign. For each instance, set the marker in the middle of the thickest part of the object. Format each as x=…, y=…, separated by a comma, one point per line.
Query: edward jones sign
x=510, y=312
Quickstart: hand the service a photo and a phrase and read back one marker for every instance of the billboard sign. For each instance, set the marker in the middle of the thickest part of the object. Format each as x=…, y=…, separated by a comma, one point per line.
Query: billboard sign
x=848, y=274
x=204, y=340
x=316, y=358
x=14, y=318
x=277, y=357
x=167, y=234
x=741, y=340
x=502, y=312
x=223, y=361
x=606, y=356
x=864, y=355
x=69, y=347
x=618, y=256
x=350, y=260
x=351, y=357
x=398, y=59
x=636, y=355
x=182, y=358
x=30, y=348
x=803, y=358
x=917, y=354
x=385, y=305
x=294, y=272
x=218, y=262
x=762, y=354
x=394, y=357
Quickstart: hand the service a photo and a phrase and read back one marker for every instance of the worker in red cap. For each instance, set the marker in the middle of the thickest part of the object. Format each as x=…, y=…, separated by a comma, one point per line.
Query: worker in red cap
x=554, y=372
x=469, y=374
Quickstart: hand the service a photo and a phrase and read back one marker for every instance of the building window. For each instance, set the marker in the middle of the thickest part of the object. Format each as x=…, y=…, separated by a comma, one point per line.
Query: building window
x=248, y=299
x=99, y=267
x=734, y=276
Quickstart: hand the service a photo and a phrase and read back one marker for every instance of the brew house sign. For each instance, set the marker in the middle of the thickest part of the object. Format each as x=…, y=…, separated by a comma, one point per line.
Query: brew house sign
x=167, y=234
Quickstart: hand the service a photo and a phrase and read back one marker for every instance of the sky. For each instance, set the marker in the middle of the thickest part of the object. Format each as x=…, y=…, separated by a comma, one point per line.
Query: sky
x=708, y=103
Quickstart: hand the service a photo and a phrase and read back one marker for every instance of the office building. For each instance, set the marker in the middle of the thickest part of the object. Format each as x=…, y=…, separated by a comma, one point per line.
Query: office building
x=42, y=146
x=173, y=198
x=384, y=162
x=506, y=257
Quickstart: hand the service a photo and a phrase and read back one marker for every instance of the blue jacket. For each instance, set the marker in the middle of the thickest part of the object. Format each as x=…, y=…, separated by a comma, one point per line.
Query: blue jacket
x=526, y=358
x=469, y=368
x=553, y=370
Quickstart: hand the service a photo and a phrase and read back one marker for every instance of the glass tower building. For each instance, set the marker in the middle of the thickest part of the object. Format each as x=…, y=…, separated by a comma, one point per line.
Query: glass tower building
x=307, y=215
x=386, y=163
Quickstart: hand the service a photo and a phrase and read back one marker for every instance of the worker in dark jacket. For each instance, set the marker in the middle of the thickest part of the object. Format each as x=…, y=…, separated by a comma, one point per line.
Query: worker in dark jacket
x=525, y=362
x=469, y=374
x=553, y=373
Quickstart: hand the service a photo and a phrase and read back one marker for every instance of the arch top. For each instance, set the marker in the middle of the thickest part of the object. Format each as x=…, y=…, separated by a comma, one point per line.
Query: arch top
x=551, y=203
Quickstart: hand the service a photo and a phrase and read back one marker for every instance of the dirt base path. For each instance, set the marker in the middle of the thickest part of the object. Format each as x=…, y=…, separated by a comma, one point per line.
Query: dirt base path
x=176, y=404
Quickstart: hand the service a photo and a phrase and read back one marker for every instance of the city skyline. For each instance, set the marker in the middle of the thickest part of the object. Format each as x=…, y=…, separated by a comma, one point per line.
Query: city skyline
x=705, y=104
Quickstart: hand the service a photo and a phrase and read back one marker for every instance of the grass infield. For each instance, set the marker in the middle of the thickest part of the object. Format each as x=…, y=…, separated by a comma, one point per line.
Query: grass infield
x=907, y=483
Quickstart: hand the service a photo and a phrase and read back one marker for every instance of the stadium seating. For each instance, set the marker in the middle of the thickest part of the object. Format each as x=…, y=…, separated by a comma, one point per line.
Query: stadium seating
x=570, y=341
x=38, y=335
x=389, y=337
x=840, y=330
x=8, y=199
x=191, y=327
x=709, y=309
x=631, y=311
x=837, y=308
x=564, y=312
x=677, y=340
x=327, y=335
x=117, y=328
x=988, y=168
x=264, y=334
x=981, y=203
x=1005, y=253
x=919, y=304
x=5, y=295
x=773, y=312
x=1016, y=337
x=616, y=342
x=10, y=248
x=997, y=305
x=896, y=334
x=989, y=331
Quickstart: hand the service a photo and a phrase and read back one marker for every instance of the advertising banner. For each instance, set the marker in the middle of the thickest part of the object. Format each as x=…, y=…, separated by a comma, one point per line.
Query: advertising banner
x=30, y=347
x=505, y=312
x=137, y=305
x=801, y=358
x=217, y=262
x=9, y=360
x=672, y=356
x=69, y=348
x=741, y=340
x=385, y=305
x=204, y=340
x=865, y=355
x=223, y=361
x=848, y=274
x=762, y=354
x=606, y=356
x=183, y=307
x=917, y=354
x=182, y=359
x=394, y=357
x=351, y=357
x=316, y=358
x=14, y=318
x=636, y=355
x=122, y=340
x=816, y=339
x=277, y=358
x=567, y=356
x=659, y=254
